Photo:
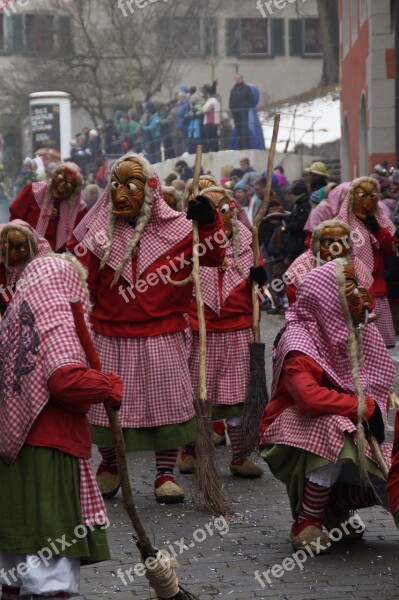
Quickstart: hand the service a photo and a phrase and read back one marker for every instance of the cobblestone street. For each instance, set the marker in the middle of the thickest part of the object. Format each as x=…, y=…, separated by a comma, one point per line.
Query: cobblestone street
x=216, y=563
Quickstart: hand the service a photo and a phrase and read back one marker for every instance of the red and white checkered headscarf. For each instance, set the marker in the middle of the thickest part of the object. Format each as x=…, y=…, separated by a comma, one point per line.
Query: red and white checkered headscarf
x=329, y=208
x=364, y=249
x=38, y=245
x=37, y=337
x=310, y=259
x=316, y=326
x=69, y=209
x=164, y=229
x=237, y=270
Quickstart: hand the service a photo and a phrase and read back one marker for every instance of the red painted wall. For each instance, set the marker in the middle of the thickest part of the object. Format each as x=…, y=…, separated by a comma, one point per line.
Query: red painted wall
x=353, y=84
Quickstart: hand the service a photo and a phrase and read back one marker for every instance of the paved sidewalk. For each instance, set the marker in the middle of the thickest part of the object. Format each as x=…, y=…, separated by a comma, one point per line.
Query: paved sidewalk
x=219, y=559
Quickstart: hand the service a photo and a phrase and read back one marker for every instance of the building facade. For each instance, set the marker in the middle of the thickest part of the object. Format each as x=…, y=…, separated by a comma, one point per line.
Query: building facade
x=367, y=53
x=275, y=45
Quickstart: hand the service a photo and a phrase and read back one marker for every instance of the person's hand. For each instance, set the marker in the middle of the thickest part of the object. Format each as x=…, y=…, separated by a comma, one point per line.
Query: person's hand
x=375, y=425
x=201, y=210
x=258, y=274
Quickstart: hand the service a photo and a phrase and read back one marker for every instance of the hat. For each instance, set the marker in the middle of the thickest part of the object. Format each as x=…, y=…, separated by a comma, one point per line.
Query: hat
x=239, y=186
x=318, y=168
x=298, y=188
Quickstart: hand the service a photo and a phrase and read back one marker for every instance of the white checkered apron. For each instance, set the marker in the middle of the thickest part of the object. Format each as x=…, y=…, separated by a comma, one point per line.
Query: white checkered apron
x=384, y=323
x=323, y=436
x=156, y=380
x=91, y=500
x=227, y=365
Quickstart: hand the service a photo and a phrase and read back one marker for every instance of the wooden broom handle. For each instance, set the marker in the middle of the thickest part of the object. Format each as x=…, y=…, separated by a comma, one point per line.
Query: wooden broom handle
x=255, y=228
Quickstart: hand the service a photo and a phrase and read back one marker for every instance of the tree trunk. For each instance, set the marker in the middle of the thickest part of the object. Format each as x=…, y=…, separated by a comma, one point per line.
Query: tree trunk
x=329, y=26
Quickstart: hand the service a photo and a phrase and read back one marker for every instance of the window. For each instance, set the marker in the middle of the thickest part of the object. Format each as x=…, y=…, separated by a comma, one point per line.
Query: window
x=38, y=34
x=203, y=38
x=255, y=37
x=305, y=37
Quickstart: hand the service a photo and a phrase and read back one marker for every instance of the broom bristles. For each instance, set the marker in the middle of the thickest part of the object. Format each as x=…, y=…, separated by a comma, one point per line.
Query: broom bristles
x=256, y=399
x=207, y=481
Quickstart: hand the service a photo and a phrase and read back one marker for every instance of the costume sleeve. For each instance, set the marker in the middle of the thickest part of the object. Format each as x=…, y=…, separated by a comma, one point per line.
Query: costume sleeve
x=302, y=378
x=214, y=239
x=21, y=206
x=77, y=388
x=385, y=240
x=393, y=475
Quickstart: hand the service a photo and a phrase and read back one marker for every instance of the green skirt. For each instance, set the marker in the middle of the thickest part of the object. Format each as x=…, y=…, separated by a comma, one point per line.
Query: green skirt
x=40, y=507
x=290, y=465
x=225, y=411
x=160, y=438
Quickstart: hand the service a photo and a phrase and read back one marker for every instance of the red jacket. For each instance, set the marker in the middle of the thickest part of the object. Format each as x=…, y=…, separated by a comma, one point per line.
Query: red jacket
x=153, y=306
x=63, y=424
x=303, y=384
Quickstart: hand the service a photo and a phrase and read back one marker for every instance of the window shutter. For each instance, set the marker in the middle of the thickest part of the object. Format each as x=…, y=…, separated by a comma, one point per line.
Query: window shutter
x=17, y=34
x=296, y=37
x=277, y=31
x=232, y=37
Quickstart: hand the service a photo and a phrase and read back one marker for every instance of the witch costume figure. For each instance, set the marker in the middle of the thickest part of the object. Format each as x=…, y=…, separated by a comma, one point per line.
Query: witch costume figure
x=52, y=515
x=331, y=378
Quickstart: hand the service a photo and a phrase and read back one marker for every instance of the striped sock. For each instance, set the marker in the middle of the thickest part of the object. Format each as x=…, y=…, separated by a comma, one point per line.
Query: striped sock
x=236, y=443
x=108, y=455
x=314, y=502
x=346, y=497
x=165, y=462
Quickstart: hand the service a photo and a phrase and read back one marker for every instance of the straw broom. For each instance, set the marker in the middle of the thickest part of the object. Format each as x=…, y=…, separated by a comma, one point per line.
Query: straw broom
x=160, y=574
x=206, y=480
x=257, y=396
x=354, y=353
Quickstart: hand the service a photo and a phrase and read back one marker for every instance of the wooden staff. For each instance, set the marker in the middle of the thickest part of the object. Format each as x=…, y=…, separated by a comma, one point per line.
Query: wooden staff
x=257, y=396
x=207, y=481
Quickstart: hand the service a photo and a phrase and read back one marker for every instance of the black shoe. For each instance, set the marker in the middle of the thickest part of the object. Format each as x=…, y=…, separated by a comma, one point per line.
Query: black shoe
x=277, y=310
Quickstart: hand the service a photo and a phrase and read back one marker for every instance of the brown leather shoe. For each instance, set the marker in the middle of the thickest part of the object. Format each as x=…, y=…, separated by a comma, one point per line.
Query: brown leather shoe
x=245, y=468
x=186, y=462
x=312, y=538
x=108, y=481
x=169, y=492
